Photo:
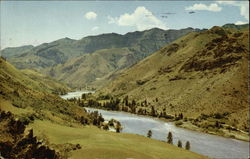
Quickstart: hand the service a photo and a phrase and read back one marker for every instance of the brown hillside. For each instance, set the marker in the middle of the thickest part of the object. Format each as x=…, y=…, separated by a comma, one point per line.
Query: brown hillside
x=46, y=126
x=27, y=97
x=204, y=72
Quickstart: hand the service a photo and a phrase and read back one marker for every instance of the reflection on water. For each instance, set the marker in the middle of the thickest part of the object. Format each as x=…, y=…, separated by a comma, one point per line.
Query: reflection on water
x=205, y=144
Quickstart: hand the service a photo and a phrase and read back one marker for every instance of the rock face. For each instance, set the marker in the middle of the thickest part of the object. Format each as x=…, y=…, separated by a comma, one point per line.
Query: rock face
x=14, y=143
x=204, y=72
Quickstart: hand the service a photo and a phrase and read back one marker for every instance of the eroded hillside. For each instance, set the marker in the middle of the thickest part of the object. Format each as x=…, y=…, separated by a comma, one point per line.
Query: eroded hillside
x=71, y=60
x=204, y=72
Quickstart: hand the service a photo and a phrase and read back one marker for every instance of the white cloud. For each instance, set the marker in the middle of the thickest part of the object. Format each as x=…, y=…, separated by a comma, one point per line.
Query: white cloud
x=243, y=5
x=212, y=7
x=139, y=18
x=112, y=20
x=240, y=23
x=90, y=15
x=95, y=28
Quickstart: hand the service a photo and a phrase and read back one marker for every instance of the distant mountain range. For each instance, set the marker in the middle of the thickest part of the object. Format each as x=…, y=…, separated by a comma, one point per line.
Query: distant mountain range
x=80, y=62
x=93, y=59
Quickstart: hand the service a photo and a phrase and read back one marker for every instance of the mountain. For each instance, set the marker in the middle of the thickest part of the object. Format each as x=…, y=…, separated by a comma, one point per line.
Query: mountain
x=122, y=52
x=93, y=67
x=46, y=55
x=15, y=51
x=32, y=79
x=201, y=73
x=38, y=124
x=238, y=27
x=26, y=93
x=71, y=60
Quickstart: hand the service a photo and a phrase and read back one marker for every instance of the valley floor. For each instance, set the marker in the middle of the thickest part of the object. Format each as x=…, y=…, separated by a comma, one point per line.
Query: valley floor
x=97, y=143
x=222, y=131
x=239, y=135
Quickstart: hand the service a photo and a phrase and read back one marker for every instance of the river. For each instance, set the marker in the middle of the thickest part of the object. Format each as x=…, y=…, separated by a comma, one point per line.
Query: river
x=76, y=94
x=209, y=145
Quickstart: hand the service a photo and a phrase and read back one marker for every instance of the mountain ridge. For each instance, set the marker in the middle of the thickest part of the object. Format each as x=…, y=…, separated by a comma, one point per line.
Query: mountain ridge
x=202, y=72
x=55, y=58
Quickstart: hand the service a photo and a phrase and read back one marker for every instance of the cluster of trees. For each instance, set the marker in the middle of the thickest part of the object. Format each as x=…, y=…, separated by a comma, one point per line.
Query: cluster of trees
x=116, y=124
x=110, y=103
x=94, y=118
x=132, y=106
x=97, y=118
x=170, y=140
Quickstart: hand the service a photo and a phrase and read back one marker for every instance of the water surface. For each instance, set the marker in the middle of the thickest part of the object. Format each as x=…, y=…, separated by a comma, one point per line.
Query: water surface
x=205, y=144
x=76, y=94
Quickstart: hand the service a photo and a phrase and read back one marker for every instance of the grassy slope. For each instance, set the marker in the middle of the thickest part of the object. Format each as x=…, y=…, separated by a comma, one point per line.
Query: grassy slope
x=61, y=58
x=191, y=79
x=56, y=123
x=97, y=143
x=32, y=79
x=92, y=67
x=25, y=96
x=50, y=85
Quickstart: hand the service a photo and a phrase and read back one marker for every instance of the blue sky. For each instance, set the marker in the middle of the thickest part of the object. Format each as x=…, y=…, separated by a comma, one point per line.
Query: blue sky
x=36, y=22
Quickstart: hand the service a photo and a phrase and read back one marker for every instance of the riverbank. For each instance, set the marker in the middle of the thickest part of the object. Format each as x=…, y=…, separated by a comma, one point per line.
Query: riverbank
x=213, y=146
x=97, y=143
x=221, y=131
x=239, y=135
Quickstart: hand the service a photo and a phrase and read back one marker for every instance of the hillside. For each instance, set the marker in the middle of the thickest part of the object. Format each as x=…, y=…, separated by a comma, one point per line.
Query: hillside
x=38, y=124
x=200, y=73
x=46, y=83
x=238, y=27
x=69, y=60
x=91, y=67
x=32, y=79
x=23, y=95
x=15, y=51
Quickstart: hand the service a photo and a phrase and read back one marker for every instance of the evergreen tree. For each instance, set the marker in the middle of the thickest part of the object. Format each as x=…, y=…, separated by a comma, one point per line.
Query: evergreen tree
x=170, y=138
x=133, y=103
x=118, y=127
x=179, y=144
x=84, y=97
x=153, y=112
x=149, y=134
x=187, y=147
x=156, y=100
x=125, y=100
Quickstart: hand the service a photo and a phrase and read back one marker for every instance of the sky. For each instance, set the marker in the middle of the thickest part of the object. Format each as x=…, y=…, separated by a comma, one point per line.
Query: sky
x=37, y=22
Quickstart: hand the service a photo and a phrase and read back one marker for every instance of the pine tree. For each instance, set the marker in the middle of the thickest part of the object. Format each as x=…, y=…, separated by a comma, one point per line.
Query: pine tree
x=149, y=134
x=118, y=127
x=153, y=112
x=170, y=138
x=179, y=144
x=187, y=147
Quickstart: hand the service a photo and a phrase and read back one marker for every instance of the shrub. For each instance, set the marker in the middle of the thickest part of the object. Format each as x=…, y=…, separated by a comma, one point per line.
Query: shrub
x=178, y=123
x=187, y=146
x=179, y=144
x=170, y=138
x=149, y=134
x=106, y=127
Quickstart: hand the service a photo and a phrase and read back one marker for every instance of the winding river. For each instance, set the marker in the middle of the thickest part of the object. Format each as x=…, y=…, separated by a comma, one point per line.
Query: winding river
x=205, y=144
